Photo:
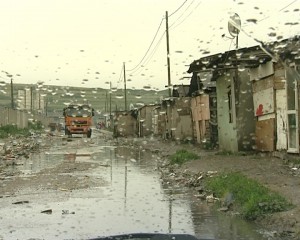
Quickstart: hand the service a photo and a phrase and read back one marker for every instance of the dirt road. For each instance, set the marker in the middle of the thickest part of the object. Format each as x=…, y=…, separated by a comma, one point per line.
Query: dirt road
x=274, y=172
x=277, y=173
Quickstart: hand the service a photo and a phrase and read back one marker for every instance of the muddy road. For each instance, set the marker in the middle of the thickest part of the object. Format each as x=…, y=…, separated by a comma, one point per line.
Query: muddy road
x=82, y=188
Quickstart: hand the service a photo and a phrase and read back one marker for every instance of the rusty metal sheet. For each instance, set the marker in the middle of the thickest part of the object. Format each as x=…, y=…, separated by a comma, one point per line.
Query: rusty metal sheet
x=265, y=134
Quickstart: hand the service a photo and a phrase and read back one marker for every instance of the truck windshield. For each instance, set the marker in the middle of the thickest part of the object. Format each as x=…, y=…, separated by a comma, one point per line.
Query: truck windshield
x=78, y=111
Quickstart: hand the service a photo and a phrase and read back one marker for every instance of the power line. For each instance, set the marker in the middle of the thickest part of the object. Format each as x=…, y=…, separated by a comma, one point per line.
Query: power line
x=138, y=65
x=149, y=57
x=155, y=48
x=288, y=5
x=182, y=13
x=148, y=47
x=247, y=34
x=178, y=8
x=120, y=77
x=186, y=16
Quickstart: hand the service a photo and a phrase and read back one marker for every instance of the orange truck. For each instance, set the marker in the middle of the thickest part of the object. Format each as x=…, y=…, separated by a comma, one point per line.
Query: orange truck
x=78, y=119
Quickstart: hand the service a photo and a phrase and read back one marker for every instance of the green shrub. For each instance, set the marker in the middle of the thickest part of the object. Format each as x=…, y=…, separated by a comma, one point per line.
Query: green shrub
x=252, y=198
x=35, y=125
x=12, y=130
x=229, y=153
x=182, y=156
x=295, y=161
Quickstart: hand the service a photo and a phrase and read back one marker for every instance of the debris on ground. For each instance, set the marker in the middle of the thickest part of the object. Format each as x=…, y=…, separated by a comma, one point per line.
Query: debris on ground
x=48, y=211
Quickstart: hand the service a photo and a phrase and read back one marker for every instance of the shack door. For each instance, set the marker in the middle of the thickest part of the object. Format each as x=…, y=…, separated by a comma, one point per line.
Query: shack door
x=292, y=113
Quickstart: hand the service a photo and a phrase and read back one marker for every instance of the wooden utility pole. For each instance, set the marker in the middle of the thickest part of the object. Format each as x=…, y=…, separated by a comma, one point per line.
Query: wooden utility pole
x=168, y=55
x=46, y=107
x=125, y=91
x=31, y=99
x=12, y=93
x=106, y=102
x=110, y=102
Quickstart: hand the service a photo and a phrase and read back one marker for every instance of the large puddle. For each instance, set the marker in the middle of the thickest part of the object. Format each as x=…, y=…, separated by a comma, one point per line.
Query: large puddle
x=132, y=201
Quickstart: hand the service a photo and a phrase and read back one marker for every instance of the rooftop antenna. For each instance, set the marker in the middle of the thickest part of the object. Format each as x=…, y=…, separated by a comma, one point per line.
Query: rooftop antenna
x=234, y=27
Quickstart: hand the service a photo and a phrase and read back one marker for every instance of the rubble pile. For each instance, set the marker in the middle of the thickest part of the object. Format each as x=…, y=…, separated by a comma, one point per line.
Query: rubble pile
x=293, y=163
x=295, y=169
x=173, y=175
x=18, y=147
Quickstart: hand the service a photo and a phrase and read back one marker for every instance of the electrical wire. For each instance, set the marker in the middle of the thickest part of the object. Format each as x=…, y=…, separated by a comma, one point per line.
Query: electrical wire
x=173, y=27
x=129, y=70
x=288, y=5
x=120, y=78
x=182, y=14
x=261, y=45
x=178, y=9
x=121, y=75
x=280, y=10
x=155, y=48
x=138, y=65
x=149, y=56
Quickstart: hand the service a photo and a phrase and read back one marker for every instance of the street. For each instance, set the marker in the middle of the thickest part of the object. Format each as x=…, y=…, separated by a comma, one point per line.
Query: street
x=79, y=188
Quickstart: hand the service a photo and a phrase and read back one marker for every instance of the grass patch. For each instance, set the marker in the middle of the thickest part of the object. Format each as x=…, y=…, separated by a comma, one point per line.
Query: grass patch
x=252, y=198
x=295, y=161
x=182, y=156
x=229, y=153
x=13, y=130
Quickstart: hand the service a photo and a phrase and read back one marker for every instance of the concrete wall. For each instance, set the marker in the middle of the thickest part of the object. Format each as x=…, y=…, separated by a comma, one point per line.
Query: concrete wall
x=244, y=111
x=236, y=130
x=226, y=129
x=125, y=125
x=145, y=120
x=20, y=118
x=180, y=119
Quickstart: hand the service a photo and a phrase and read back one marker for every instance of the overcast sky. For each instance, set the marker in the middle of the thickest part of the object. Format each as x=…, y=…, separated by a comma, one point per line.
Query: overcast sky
x=85, y=42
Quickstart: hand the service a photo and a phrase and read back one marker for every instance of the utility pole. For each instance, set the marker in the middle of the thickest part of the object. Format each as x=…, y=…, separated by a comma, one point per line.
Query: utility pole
x=234, y=27
x=234, y=83
x=110, y=103
x=168, y=55
x=39, y=101
x=31, y=99
x=125, y=91
x=12, y=93
x=106, y=104
x=46, y=107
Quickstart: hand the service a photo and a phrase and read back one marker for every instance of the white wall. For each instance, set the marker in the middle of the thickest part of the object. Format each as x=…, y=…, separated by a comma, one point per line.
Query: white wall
x=281, y=113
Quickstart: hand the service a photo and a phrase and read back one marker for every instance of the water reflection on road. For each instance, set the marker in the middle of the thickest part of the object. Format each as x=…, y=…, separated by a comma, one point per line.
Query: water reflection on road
x=131, y=200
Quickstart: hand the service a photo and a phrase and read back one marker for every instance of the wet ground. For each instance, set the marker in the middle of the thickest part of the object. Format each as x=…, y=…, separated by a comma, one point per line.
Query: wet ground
x=82, y=188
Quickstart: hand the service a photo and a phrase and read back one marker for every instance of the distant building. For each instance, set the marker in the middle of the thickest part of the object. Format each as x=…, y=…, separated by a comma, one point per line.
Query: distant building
x=28, y=101
x=24, y=99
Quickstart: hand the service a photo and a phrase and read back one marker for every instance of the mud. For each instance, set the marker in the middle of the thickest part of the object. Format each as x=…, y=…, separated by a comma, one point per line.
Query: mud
x=275, y=172
x=57, y=178
x=67, y=175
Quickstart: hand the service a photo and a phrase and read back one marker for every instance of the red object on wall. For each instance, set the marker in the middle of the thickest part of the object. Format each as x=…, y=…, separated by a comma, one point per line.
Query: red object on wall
x=259, y=110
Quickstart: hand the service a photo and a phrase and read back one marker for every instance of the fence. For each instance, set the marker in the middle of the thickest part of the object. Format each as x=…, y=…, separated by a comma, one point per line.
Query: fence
x=21, y=118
